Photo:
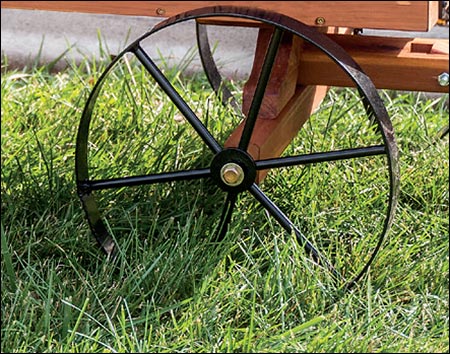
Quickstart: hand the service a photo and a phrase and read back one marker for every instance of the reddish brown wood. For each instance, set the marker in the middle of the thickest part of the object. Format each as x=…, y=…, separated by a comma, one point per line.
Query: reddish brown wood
x=394, y=15
x=411, y=64
x=282, y=81
x=271, y=136
x=286, y=104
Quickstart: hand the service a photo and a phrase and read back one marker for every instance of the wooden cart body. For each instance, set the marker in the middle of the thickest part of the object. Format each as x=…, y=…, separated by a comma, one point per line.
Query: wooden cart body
x=393, y=15
x=392, y=63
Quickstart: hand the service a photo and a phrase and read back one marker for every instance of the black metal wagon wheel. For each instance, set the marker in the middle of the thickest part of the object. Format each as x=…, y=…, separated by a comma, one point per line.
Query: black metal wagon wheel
x=145, y=154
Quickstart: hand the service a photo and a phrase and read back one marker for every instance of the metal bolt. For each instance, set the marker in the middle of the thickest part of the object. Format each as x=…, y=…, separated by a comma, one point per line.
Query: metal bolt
x=160, y=11
x=443, y=79
x=320, y=21
x=232, y=174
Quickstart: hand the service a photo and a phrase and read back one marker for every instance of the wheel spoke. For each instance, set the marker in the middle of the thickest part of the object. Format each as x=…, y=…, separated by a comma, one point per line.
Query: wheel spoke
x=177, y=99
x=263, y=81
x=287, y=224
x=165, y=177
x=320, y=157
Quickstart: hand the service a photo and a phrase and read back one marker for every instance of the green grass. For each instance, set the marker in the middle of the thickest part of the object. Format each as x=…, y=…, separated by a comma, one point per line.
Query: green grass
x=172, y=289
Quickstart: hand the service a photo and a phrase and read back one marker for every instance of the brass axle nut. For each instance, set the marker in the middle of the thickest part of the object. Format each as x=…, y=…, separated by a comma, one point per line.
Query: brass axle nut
x=232, y=174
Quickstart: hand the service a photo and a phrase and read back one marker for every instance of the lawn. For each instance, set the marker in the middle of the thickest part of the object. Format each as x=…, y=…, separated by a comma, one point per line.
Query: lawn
x=172, y=287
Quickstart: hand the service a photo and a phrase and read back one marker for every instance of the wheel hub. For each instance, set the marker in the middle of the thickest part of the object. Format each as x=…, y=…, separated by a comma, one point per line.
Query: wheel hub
x=233, y=170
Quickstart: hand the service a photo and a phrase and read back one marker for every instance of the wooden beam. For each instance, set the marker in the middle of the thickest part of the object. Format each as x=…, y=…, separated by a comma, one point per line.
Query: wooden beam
x=286, y=106
x=411, y=64
x=282, y=83
x=393, y=15
x=271, y=136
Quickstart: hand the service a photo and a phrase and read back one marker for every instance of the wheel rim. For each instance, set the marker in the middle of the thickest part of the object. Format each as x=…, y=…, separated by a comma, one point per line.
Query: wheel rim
x=87, y=185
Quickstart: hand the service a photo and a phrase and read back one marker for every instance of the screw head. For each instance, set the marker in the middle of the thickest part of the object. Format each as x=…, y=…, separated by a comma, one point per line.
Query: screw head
x=232, y=174
x=443, y=79
x=160, y=11
x=320, y=21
